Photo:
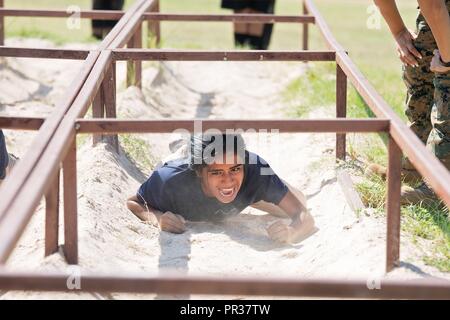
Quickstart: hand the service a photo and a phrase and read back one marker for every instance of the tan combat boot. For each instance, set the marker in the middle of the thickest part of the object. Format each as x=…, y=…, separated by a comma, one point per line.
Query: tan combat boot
x=410, y=176
x=376, y=170
x=422, y=194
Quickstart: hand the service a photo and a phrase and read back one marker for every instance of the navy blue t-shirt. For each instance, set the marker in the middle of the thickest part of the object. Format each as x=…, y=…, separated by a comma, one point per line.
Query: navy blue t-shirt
x=3, y=156
x=175, y=187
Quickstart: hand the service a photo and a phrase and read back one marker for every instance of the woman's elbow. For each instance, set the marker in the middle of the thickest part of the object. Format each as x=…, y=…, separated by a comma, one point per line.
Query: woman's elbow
x=131, y=203
x=309, y=221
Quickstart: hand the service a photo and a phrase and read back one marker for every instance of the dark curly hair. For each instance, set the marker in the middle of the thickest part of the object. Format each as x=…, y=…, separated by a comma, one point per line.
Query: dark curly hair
x=207, y=148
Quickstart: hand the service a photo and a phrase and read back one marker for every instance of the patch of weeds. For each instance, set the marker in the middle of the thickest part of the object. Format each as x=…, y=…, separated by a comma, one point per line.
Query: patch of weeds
x=423, y=221
x=367, y=148
x=82, y=139
x=359, y=212
x=441, y=263
x=373, y=193
x=431, y=222
x=151, y=41
x=138, y=150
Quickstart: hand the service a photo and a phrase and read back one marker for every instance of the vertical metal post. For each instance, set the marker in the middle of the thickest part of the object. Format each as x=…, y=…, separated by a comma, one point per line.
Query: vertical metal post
x=305, y=29
x=109, y=94
x=134, y=68
x=130, y=65
x=150, y=43
x=341, y=109
x=52, y=217
x=393, y=205
x=138, y=64
x=70, y=205
x=2, y=26
x=98, y=111
x=154, y=28
x=157, y=24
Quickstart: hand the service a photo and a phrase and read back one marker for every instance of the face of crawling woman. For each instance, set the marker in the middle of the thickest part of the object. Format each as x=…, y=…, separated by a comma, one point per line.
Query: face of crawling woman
x=223, y=180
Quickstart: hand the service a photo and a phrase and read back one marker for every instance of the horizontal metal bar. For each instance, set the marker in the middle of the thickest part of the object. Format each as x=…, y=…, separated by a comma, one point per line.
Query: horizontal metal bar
x=321, y=24
x=186, y=284
x=87, y=14
x=116, y=15
x=249, y=18
x=168, y=126
x=38, y=53
x=21, y=123
x=244, y=55
x=133, y=23
x=126, y=25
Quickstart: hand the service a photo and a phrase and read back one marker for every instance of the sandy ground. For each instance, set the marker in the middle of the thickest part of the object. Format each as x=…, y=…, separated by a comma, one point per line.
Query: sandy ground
x=112, y=240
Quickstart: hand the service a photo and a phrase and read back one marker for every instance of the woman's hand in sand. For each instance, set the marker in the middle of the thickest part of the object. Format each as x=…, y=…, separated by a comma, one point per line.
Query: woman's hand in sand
x=280, y=232
x=171, y=222
x=297, y=231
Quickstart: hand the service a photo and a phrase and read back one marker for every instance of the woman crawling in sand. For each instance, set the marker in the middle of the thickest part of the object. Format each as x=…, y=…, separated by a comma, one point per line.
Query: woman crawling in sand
x=219, y=178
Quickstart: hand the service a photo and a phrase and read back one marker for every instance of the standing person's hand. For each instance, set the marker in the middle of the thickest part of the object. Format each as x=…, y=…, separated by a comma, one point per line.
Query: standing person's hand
x=436, y=63
x=171, y=222
x=407, y=53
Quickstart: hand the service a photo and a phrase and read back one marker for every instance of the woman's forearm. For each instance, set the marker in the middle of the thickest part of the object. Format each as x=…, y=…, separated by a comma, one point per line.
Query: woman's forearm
x=390, y=13
x=302, y=227
x=438, y=18
x=145, y=214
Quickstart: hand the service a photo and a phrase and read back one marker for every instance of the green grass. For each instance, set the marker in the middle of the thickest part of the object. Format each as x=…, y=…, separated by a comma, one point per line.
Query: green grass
x=426, y=221
x=431, y=222
x=314, y=89
x=138, y=150
x=373, y=193
x=54, y=29
x=374, y=54
x=82, y=139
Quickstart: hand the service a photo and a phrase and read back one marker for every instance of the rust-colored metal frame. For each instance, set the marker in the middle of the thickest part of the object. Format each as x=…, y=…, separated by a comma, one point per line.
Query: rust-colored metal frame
x=37, y=175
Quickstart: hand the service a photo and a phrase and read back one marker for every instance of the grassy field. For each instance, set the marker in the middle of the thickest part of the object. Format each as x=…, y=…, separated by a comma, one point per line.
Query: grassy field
x=372, y=50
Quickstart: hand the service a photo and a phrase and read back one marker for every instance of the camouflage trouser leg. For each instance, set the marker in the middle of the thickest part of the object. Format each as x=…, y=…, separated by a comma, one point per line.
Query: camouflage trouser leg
x=439, y=139
x=420, y=82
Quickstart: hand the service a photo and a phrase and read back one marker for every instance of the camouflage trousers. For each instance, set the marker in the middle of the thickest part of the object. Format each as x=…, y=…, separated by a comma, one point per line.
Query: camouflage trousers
x=428, y=97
